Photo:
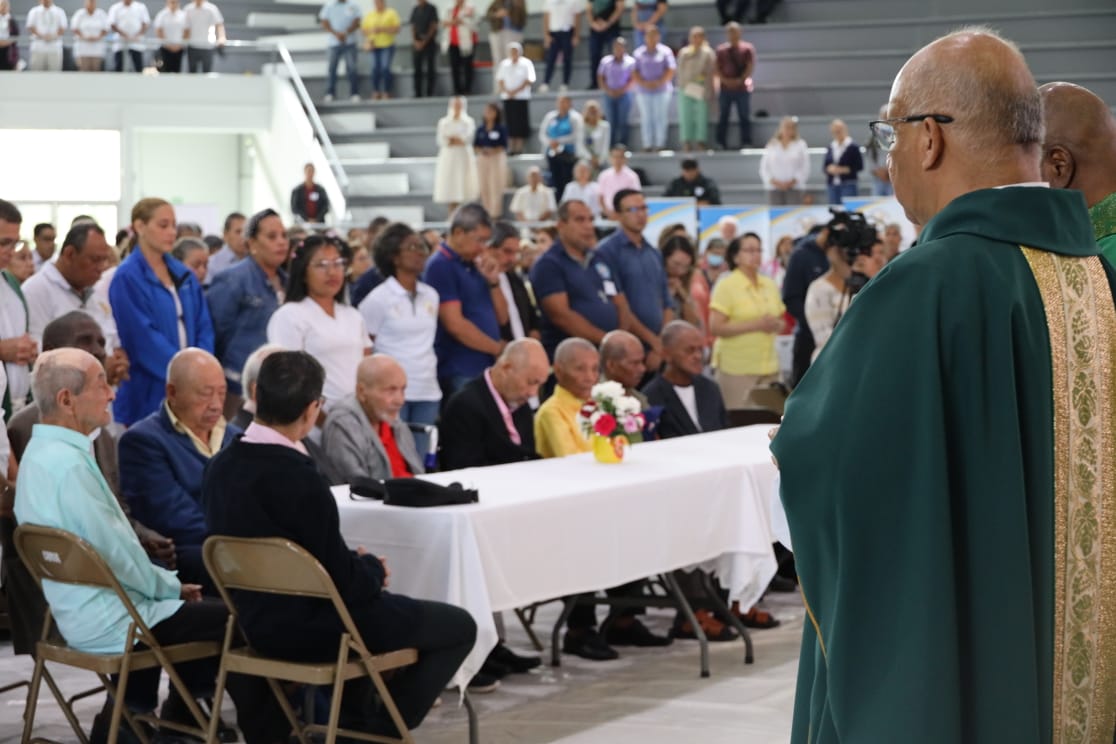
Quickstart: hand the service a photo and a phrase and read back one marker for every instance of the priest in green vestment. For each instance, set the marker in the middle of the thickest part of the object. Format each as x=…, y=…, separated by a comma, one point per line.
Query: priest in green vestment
x=1079, y=152
x=949, y=463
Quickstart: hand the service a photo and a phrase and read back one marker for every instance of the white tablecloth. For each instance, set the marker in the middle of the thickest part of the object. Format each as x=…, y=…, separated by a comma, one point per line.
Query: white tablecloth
x=550, y=528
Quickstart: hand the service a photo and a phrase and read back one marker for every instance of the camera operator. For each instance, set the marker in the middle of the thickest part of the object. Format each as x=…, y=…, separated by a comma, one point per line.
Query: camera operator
x=856, y=254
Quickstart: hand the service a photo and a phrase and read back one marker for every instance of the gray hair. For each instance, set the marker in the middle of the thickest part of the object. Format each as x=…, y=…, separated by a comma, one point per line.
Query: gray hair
x=469, y=217
x=55, y=371
x=612, y=345
x=569, y=348
x=251, y=372
x=183, y=247
x=673, y=331
x=516, y=353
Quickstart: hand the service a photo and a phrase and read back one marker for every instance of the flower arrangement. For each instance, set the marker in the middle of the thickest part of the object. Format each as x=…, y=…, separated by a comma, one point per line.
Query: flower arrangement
x=610, y=413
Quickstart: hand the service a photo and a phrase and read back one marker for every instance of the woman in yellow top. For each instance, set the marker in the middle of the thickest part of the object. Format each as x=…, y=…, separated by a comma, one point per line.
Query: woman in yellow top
x=380, y=27
x=745, y=314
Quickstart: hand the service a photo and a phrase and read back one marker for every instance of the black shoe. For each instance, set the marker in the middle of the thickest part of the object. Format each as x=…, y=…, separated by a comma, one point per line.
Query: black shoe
x=482, y=684
x=513, y=661
x=175, y=711
x=588, y=645
x=635, y=634
x=100, y=731
x=495, y=669
x=781, y=584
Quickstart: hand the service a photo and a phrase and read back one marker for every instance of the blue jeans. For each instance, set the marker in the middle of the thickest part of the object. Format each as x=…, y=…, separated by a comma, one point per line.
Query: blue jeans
x=420, y=412
x=349, y=52
x=838, y=193
x=882, y=188
x=742, y=99
x=618, y=111
x=381, y=69
x=560, y=41
x=654, y=112
x=641, y=16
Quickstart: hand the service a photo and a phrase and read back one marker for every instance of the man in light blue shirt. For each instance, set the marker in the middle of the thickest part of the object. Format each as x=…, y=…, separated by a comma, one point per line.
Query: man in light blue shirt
x=341, y=19
x=61, y=486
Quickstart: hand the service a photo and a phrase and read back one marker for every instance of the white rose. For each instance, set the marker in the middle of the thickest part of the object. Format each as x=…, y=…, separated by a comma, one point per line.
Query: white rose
x=608, y=390
x=626, y=404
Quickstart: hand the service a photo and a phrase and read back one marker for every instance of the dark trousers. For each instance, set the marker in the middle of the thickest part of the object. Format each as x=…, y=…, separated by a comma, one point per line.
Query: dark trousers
x=424, y=60
x=600, y=43
x=741, y=99
x=461, y=69
x=172, y=61
x=258, y=713
x=583, y=617
x=561, y=172
x=137, y=60
x=444, y=635
x=801, y=352
x=733, y=10
x=199, y=60
x=560, y=42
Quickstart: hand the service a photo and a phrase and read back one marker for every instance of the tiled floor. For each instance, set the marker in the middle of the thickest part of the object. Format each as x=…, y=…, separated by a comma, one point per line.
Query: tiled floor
x=650, y=696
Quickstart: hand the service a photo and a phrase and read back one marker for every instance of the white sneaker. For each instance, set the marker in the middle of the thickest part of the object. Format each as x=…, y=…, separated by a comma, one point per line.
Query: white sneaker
x=354, y=98
x=563, y=88
x=544, y=88
x=328, y=98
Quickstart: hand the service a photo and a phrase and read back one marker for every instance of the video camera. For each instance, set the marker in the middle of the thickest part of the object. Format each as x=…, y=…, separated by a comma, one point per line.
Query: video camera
x=851, y=233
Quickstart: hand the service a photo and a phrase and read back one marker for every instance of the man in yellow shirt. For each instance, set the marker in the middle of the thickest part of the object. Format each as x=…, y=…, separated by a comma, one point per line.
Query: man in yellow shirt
x=379, y=27
x=577, y=368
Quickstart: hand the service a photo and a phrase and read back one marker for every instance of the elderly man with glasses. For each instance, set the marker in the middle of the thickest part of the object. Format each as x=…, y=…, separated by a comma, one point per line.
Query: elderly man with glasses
x=977, y=371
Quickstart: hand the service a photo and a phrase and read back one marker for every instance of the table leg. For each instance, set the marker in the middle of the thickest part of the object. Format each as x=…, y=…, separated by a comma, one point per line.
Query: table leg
x=687, y=611
x=474, y=732
x=725, y=611
x=555, y=649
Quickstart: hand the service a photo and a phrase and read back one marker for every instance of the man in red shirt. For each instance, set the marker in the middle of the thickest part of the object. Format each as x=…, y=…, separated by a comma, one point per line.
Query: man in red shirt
x=736, y=61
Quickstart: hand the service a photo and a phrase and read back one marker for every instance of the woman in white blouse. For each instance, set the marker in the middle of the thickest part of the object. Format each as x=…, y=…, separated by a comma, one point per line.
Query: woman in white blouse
x=315, y=318
x=596, y=134
x=90, y=25
x=785, y=164
x=455, y=172
x=829, y=295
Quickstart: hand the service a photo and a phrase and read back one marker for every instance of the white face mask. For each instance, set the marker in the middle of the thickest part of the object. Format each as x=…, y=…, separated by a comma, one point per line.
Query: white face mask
x=714, y=260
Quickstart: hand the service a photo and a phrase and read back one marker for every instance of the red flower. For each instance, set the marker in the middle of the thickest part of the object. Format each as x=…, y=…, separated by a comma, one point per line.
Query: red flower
x=587, y=410
x=605, y=425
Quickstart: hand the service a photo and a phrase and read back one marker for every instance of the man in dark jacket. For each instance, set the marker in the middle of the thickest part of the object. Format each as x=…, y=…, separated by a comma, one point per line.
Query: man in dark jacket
x=691, y=402
x=478, y=422
x=264, y=485
x=309, y=201
x=807, y=263
x=694, y=183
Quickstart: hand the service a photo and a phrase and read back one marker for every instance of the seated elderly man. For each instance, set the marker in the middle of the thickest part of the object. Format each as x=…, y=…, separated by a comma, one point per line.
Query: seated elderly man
x=488, y=422
x=622, y=360
x=264, y=485
x=26, y=605
x=61, y=486
x=577, y=370
x=363, y=436
x=163, y=455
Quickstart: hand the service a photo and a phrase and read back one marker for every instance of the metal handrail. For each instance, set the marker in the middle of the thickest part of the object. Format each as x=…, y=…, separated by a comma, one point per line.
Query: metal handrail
x=315, y=120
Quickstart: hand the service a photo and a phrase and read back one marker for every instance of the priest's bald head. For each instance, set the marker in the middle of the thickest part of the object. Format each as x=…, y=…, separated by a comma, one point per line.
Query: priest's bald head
x=1079, y=151
x=966, y=115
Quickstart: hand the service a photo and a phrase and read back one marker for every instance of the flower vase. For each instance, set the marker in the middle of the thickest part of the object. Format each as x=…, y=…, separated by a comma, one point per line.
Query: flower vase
x=609, y=450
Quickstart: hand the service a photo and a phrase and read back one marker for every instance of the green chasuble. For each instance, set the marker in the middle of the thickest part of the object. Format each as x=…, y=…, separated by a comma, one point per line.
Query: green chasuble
x=948, y=471
x=1103, y=216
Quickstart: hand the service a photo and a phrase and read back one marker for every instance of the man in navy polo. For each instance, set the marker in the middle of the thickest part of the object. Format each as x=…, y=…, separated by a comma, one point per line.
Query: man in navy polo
x=644, y=299
x=574, y=287
x=472, y=307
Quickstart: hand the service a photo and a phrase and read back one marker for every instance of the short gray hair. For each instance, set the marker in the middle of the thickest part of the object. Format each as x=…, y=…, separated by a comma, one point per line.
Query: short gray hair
x=55, y=371
x=469, y=217
x=251, y=372
x=569, y=348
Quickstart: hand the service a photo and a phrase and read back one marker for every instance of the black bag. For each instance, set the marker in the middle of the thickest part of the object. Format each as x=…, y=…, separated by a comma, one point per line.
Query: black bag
x=413, y=492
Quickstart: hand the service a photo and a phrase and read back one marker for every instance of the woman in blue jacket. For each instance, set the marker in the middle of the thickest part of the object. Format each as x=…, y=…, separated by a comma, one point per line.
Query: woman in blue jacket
x=243, y=298
x=159, y=309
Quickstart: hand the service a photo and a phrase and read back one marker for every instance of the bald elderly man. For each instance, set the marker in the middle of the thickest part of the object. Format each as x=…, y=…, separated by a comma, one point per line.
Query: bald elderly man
x=163, y=456
x=1079, y=153
x=952, y=447
x=364, y=436
x=577, y=369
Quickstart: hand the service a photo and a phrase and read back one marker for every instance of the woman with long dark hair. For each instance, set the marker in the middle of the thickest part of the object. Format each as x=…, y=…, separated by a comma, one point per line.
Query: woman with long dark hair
x=314, y=318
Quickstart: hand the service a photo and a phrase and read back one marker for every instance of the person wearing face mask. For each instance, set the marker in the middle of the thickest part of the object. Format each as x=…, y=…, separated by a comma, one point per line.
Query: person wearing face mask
x=243, y=298
x=159, y=310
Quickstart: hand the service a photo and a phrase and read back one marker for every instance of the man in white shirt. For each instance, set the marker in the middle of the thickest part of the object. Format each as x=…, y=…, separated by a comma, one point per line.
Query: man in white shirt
x=67, y=285
x=535, y=201
x=46, y=23
x=130, y=20
x=90, y=25
x=205, y=31
x=233, y=251
x=17, y=349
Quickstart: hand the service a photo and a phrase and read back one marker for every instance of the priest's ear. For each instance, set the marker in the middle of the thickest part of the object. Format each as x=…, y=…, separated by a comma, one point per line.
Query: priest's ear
x=1057, y=166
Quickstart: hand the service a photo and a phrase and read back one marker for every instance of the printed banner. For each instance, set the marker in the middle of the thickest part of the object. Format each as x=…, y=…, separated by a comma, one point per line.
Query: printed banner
x=746, y=218
x=662, y=213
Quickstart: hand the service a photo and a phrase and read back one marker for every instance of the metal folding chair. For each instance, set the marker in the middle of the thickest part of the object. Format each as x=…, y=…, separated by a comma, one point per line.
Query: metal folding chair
x=60, y=556
x=278, y=566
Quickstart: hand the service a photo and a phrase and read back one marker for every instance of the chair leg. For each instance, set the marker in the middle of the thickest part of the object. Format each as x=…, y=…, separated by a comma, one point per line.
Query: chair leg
x=285, y=704
x=527, y=626
x=389, y=702
x=338, y=691
x=555, y=649
x=219, y=689
x=32, y=699
x=67, y=705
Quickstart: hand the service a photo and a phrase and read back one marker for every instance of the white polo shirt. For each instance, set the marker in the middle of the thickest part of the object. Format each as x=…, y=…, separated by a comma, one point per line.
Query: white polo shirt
x=172, y=23
x=13, y=324
x=404, y=328
x=48, y=21
x=50, y=296
x=337, y=342
x=90, y=24
x=562, y=13
x=203, y=21
x=514, y=74
x=130, y=19
x=533, y=203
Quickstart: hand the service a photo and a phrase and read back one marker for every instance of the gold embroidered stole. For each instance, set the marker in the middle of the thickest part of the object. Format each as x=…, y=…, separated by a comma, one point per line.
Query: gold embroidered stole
x=1081, y=319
